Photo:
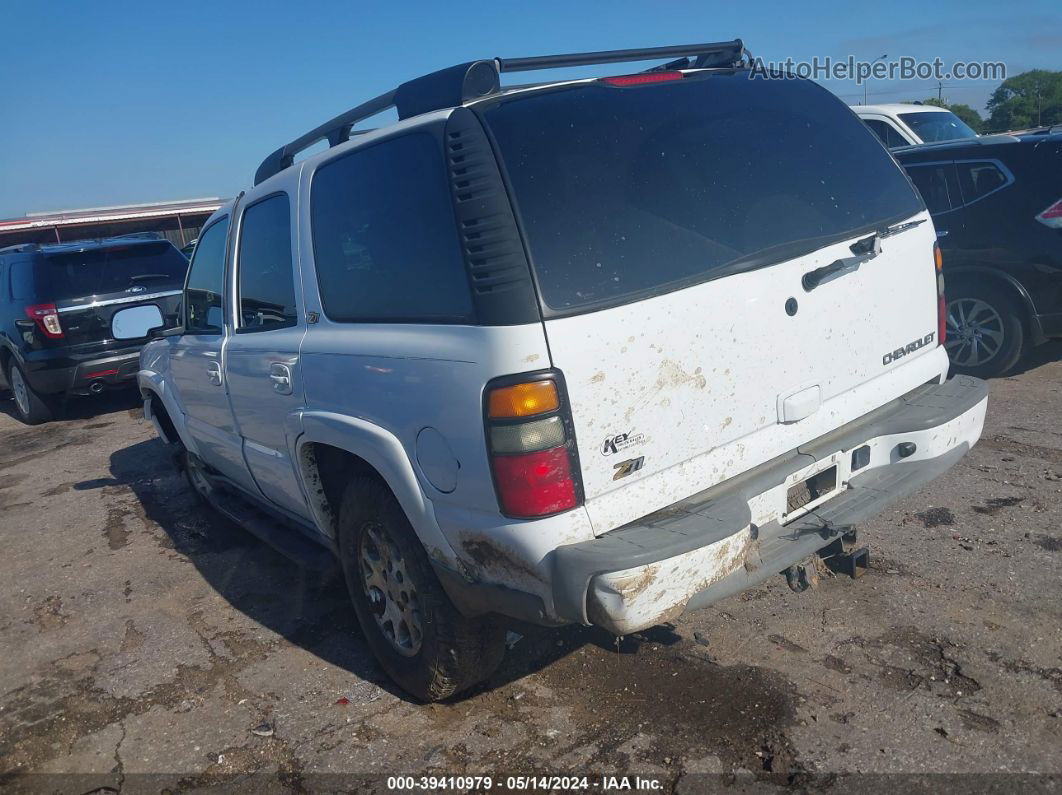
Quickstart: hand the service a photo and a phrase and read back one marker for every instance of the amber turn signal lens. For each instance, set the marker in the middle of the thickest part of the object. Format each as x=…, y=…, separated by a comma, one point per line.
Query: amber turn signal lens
x=938, y=257
x=523, y=400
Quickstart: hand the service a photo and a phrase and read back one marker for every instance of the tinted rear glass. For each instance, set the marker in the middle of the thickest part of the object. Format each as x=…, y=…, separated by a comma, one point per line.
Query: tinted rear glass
x=933, y=126
x=81, y=274
x=624, y=192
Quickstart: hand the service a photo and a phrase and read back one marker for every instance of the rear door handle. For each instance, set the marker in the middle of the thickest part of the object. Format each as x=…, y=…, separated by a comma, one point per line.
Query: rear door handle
x=280, y=375
x=214, y=373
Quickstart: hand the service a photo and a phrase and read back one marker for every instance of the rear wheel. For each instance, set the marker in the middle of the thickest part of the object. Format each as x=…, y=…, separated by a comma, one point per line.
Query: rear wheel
x=986, y=330
x=426, y=646
x=32, y=408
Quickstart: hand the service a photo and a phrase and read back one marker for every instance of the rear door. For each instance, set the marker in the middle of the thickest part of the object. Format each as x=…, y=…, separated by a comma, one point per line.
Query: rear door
x=671, y=228
x=196, y=359
x=262, y=357
x=90, y=285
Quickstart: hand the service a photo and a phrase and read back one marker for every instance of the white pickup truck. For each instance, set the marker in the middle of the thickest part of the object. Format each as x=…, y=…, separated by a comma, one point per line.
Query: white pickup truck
x=905, y=124
x=595, y=351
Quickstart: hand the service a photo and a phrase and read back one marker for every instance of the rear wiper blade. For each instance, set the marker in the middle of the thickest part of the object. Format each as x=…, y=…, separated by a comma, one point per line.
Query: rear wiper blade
x=895, y=229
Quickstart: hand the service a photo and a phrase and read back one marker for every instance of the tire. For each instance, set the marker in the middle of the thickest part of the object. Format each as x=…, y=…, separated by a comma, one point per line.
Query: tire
x=986, y=330
x=419, y=638
x=194, y=473
x=31, y=407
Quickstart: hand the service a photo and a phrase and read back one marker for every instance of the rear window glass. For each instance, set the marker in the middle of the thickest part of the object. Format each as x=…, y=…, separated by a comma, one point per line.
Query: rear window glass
x=98, y=271
x=933, y=126
x=624, y=192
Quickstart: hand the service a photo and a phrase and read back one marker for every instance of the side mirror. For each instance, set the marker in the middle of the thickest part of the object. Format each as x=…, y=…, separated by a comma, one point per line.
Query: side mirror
x=136, y=322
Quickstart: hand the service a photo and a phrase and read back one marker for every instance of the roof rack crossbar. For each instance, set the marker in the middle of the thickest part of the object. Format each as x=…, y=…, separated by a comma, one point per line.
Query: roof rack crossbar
x=452, y=86
x=619, y=56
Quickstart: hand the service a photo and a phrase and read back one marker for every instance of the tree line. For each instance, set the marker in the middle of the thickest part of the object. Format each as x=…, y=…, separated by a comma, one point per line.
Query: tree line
x=1031, y=99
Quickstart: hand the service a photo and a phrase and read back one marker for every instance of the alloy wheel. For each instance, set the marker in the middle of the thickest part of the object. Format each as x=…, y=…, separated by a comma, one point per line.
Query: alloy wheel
x=21, y=391
x=975, y=332
x=392, y=594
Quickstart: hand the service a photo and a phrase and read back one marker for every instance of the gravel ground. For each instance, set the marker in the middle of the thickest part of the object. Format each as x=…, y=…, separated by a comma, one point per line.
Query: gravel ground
x=147, y=644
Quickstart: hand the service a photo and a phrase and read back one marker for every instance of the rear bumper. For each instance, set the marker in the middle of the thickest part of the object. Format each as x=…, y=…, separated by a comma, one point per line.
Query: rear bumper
x=64, y=371
x=729, y=537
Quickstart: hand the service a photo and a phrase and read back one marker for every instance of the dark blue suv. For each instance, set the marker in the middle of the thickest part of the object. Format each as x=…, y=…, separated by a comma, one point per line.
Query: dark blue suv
x=996, y=202
x=57, y=307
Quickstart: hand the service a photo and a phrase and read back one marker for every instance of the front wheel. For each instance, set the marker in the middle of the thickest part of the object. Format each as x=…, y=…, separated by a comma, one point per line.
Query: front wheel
x=420, y=639
x=986, y=330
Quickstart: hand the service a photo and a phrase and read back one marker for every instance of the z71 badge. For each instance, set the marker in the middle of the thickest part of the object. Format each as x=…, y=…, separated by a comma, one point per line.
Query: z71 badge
x=624, y=468
x=910, y=347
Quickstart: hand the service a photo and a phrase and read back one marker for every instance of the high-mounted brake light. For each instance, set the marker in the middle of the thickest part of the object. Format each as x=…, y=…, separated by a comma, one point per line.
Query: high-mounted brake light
x=942, y=304
x=46, y=318
x=531, y=448
x=642, y=79
x=1052, y=216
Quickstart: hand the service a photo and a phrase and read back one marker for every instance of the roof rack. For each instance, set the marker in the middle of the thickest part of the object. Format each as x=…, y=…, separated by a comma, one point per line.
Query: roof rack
x=457, y=84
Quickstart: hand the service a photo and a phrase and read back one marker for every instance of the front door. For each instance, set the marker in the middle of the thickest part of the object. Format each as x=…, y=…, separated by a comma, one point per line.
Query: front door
x=196, y=359
x=262, y=355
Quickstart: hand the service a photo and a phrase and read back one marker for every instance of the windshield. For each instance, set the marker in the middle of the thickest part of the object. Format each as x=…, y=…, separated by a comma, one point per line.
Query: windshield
x=98, y=271
x=932, y=126
x=628, y=192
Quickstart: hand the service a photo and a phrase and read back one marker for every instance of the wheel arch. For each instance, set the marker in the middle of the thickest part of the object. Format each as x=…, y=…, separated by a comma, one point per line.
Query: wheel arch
x=334, y=447
x=976, y=273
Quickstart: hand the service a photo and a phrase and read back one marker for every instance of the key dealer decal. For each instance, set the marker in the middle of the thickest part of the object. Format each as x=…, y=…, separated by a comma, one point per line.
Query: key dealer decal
x=620, y=442
x=910, y=347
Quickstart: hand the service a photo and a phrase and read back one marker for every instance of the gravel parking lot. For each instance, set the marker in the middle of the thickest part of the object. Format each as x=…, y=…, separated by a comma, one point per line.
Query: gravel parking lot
x=142, y=636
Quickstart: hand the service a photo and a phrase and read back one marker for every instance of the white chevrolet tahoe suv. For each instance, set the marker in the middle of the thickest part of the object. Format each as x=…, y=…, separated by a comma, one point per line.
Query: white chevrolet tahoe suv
x=598, y=351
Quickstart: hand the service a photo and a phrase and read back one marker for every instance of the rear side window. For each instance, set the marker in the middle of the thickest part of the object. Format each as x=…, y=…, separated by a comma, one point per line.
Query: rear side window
x=977, y=180
x=628, y=192
x=266, y=280
x=69, y=275
x=206, y=282
x=936, y=189
x=21, y=280
x=384, y=237
x=888, y=134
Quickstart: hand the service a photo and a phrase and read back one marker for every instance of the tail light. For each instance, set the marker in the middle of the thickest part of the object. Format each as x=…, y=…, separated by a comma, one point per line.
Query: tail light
x=531, y=446
x=1052, y=216
x=942, y=303
x=642, y=79
x=47, y=319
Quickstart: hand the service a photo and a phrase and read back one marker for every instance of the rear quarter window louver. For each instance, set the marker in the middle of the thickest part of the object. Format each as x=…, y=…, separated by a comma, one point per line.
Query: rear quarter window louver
x=490, y=241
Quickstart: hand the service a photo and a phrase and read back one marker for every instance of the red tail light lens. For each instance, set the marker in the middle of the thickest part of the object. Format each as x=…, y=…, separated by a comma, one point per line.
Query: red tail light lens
x=942, y=304
x=535, y=484
x=1052, y=216
x=47, y=319
x=642, y=79
x=531, y=447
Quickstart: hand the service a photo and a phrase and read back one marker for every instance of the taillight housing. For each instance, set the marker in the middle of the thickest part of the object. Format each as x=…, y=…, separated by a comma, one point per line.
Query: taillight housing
x=46, y=316
x=1052, y=216
x=531, y=445
x=942, y=303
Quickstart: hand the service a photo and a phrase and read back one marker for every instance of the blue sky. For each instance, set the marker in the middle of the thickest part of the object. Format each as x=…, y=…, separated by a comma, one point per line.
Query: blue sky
x=111, y=103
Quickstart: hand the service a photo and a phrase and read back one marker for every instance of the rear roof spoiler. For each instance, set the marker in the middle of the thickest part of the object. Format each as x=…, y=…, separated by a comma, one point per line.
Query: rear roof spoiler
x=456, y=85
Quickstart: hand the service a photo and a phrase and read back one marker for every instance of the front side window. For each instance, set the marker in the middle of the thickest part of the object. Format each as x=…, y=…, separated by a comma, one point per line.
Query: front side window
x=206, y=282
x=266, y=280
x=932, y=183
x=384, y=236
